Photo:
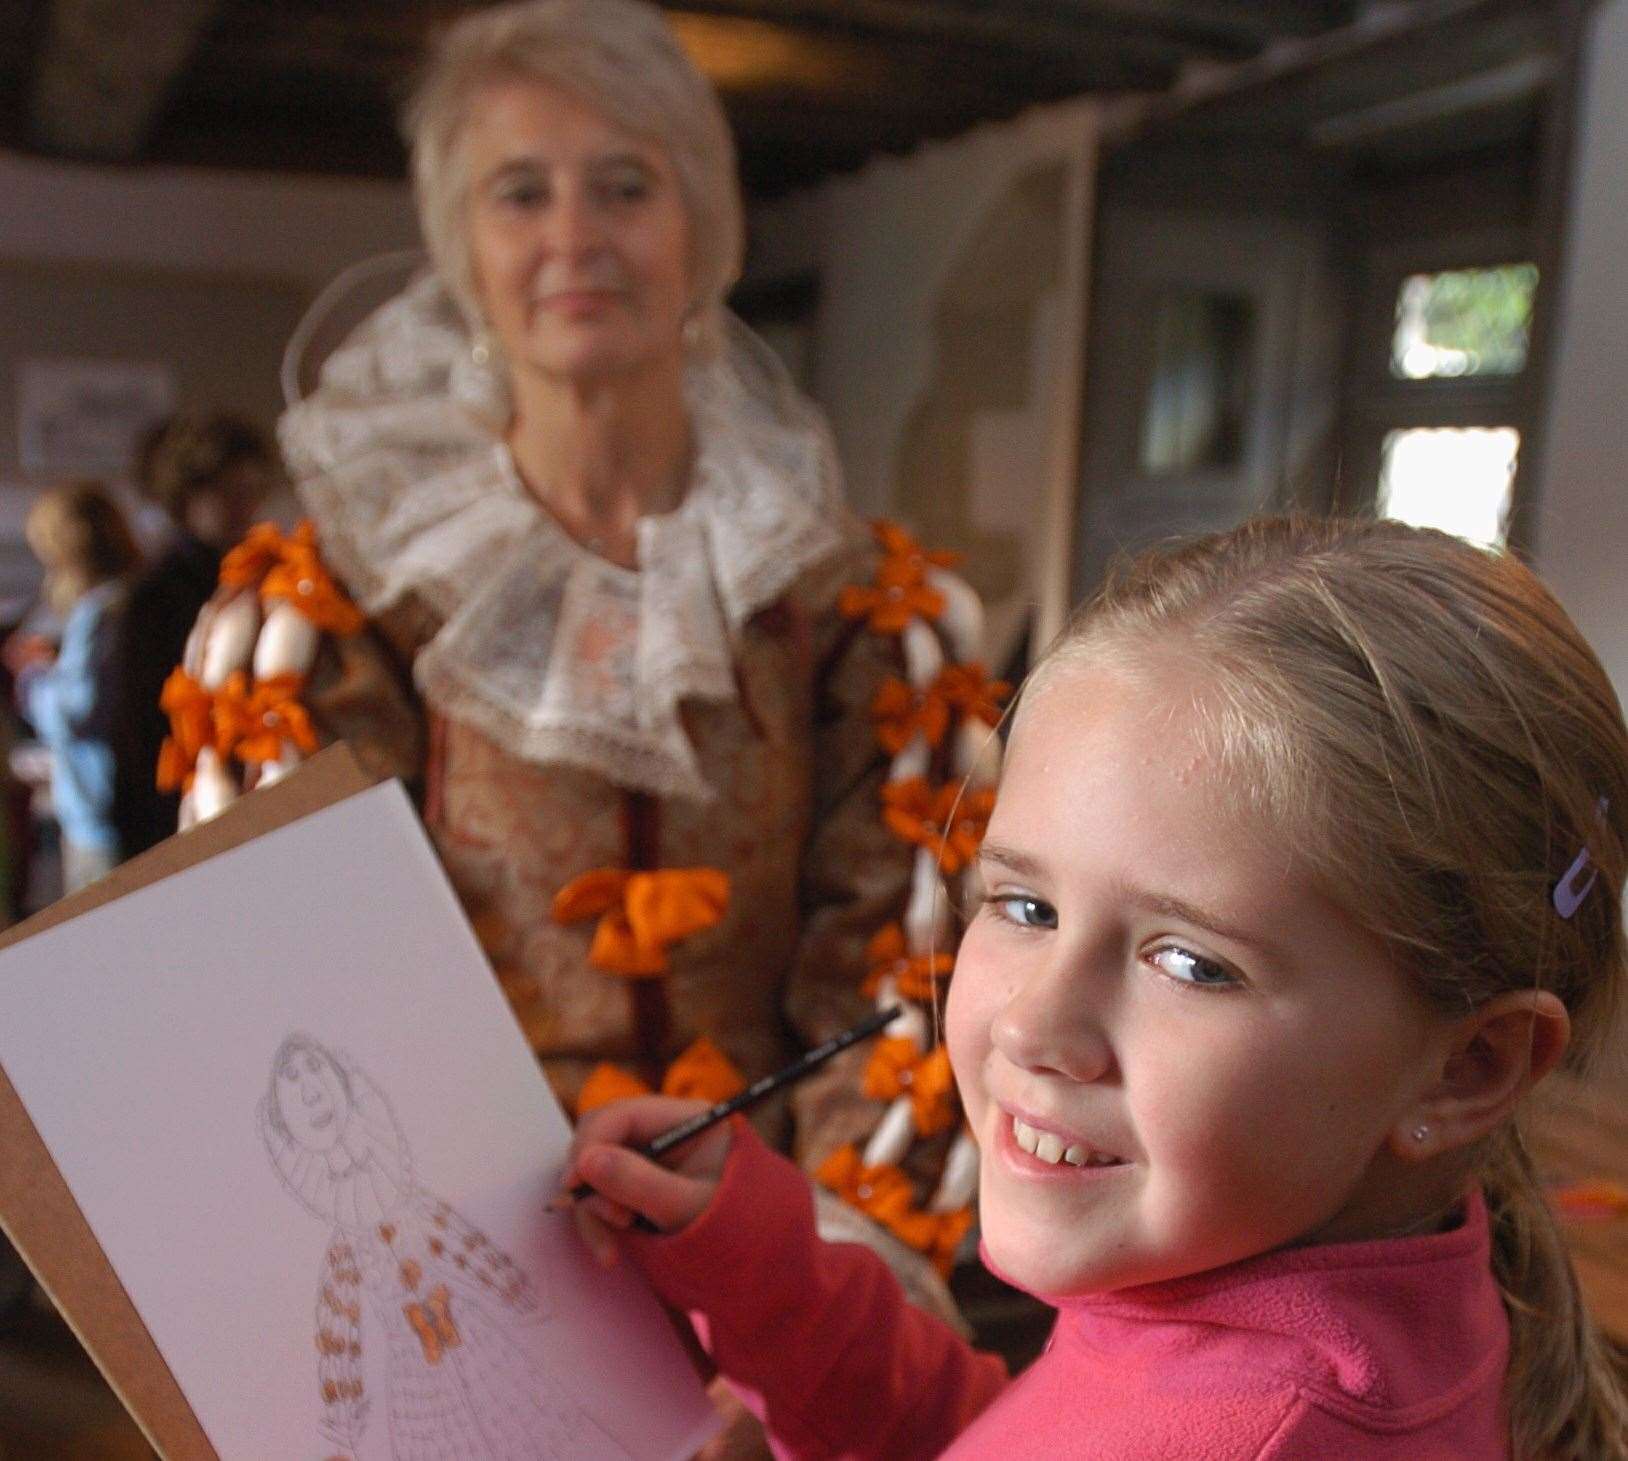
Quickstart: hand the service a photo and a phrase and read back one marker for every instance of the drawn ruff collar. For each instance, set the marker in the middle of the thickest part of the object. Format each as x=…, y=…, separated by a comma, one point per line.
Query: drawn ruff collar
x=551, y=651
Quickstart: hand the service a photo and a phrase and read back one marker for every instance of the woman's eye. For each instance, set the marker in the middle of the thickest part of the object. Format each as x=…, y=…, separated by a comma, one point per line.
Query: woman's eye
x=1190, y=968
x=520, y=194
x=626, y=187
x=1024, y=911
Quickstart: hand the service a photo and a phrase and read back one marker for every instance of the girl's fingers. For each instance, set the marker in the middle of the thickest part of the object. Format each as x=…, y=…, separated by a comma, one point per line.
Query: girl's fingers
x=669, y=1199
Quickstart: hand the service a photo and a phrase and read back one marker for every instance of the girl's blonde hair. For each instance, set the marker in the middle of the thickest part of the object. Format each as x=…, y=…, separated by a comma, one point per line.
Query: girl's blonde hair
x=1427, y=728
x=621, y=58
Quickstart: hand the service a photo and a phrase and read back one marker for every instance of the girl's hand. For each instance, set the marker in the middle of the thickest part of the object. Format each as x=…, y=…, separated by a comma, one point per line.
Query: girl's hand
x=670, y=1194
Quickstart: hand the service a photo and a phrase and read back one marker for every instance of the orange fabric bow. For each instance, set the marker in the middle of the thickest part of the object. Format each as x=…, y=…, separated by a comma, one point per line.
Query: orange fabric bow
x=642, y=914
x=1591, y=1200
x=905, y=553
x=970, y=690
x=701, y=1073
x=291, y=569
x=881, y=1193
x=897, y=1068
x=948, y=822
x=254, y=724
x=892, y=601
x=246, y=564
x=301, y=579
x=952, y=1227
x=432, y=1323
x=190, y=708
x=901, y=714
x=915, y=975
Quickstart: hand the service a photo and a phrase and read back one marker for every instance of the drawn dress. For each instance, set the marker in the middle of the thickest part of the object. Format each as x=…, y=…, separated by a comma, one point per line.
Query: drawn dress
x=448, y=1304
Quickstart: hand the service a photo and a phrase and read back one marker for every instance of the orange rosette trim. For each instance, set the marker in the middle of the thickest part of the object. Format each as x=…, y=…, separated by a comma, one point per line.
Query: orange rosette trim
x=607, y=1083
x=916, y=975
x=882, y=1193
x=890, y=606
x=897, y=1068
x=904, y=555
x=952, y=1228
x=1591, y=1201
x=703, y=1073
x=190, y=708
x=971, y=692
x=290, y=569
x=248, y=563
x=641, y=915
x=302, y=579
x=254, y=723
x=901, y=714
x=949, y=822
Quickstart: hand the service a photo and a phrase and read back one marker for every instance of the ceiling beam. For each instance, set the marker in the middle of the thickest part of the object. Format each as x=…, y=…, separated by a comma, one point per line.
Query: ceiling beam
x=1028, y=27
x=104, y=70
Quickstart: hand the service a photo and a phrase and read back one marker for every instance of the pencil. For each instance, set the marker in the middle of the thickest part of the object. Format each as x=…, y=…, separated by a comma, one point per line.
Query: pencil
x=766, y=1085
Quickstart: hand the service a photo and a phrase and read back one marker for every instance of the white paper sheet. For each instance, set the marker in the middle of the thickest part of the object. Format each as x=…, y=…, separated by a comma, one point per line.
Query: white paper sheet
x=287, y=1094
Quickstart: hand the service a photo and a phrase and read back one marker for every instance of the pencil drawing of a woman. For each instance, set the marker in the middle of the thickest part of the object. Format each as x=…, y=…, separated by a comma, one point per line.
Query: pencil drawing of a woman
x=403, y=1270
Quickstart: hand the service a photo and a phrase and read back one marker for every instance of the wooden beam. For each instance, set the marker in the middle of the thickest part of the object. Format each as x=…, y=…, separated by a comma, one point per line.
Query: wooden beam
x=1025, y=27
x=1220, y=24
x=104, y=71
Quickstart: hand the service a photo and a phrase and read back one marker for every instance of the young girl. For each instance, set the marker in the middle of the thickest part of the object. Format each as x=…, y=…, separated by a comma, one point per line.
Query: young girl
x=1306, y=867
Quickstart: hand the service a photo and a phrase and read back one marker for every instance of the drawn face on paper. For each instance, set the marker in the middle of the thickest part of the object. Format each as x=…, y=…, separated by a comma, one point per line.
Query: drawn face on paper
x=312, y=1097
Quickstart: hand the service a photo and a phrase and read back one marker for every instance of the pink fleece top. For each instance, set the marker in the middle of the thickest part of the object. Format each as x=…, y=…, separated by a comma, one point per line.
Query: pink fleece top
x=1382, y=1350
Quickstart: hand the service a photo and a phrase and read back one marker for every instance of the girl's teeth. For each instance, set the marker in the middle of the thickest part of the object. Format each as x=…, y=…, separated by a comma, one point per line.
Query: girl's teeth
x=1050, y=1148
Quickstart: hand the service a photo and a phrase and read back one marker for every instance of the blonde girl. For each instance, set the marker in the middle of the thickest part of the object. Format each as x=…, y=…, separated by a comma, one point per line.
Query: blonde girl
x=1307, y=865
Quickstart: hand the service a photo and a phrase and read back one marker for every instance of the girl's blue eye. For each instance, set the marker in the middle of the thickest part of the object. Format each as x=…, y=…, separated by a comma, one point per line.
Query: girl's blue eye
x=1024, y=911
x=1190, y=968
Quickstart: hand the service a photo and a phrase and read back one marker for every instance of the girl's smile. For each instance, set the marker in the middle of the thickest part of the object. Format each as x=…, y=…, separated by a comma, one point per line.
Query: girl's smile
x=1174, y=1050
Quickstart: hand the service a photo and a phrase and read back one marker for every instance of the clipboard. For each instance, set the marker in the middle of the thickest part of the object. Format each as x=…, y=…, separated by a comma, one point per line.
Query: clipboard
x=37, y=1210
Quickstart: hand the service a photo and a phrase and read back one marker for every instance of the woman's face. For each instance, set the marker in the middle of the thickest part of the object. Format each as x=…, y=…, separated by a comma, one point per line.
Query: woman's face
x=311, y=1097
x=578, y=236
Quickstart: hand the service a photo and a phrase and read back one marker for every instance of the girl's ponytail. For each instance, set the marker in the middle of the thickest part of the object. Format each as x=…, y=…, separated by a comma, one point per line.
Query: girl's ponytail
x=1566, y=1395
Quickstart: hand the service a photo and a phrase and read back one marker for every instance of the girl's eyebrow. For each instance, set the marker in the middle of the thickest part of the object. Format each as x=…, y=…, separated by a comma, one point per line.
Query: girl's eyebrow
x=1170, y=906
x=1165, y=904
x=1010, y=859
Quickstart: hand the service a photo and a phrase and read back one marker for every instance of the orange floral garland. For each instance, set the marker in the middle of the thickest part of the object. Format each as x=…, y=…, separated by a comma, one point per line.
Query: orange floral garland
x=898, y=1068
x=916, y=976
x=290, y=569
x=949, y=821
x=190, y=708
x=254, y=723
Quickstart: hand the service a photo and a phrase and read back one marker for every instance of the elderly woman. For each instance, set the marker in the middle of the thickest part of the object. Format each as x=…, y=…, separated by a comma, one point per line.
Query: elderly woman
x=604, y=542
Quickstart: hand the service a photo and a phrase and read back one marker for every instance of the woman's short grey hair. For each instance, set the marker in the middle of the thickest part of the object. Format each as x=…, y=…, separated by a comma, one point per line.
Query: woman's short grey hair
x=621, y=58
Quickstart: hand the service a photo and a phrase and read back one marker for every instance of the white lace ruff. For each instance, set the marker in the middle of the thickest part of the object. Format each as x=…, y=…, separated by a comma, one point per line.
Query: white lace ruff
x=553, y=652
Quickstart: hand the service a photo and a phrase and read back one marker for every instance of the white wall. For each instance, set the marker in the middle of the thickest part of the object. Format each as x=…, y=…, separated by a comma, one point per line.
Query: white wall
x=916, y=256
x=205, y=273
x=1582, y=525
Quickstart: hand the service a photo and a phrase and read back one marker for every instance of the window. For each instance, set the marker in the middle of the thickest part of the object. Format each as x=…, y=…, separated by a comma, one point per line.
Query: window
x=1437, y=420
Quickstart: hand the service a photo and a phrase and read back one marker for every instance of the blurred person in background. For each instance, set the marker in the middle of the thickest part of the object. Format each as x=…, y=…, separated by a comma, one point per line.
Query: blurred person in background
x=84, y=543
x=209, y=473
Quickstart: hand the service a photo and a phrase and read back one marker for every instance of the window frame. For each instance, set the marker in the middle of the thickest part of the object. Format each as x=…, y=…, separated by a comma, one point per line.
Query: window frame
x=1379, y=402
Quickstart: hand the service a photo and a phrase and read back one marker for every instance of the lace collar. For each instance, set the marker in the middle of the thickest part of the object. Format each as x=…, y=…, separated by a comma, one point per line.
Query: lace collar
x=551, y=651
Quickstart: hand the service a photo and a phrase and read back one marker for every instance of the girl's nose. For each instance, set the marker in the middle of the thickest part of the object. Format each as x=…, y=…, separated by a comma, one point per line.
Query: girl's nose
x=1053, y=1025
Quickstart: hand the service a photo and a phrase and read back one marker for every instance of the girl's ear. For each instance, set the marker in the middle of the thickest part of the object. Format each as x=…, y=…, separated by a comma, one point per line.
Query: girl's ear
x=1489, y=1060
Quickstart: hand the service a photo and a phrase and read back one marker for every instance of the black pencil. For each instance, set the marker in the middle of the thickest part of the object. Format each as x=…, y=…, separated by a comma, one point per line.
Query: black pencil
x=765, y=1086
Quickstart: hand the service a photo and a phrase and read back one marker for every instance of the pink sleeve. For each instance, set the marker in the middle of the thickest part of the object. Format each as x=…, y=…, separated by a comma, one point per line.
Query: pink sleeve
x=817, y=1338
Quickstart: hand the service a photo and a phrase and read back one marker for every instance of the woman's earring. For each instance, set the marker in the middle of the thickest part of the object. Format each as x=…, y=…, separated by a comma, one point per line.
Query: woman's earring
x=1420, y=1132
x=480, y=351
x=691, y=333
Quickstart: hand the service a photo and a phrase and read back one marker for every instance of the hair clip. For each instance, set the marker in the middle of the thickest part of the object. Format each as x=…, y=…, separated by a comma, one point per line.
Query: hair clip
x=1573, y=887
